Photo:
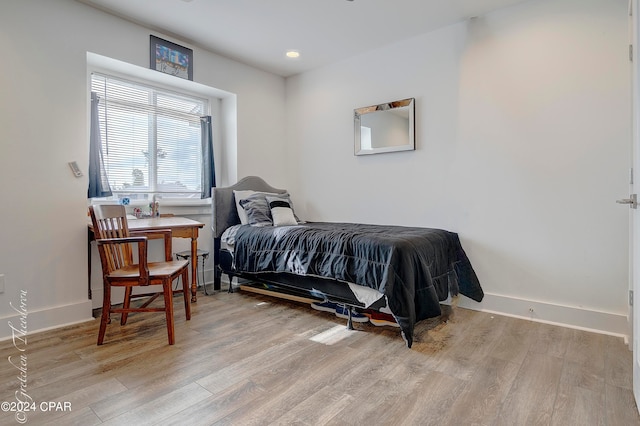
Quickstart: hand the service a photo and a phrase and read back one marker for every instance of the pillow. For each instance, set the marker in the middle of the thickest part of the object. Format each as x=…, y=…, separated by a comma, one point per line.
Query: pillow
x=244, y=194
x=281, y=210
x=257, y=210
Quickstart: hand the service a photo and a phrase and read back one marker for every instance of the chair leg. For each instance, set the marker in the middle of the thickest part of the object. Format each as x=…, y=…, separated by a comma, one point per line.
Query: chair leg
x=168, y=307
x=186, y=294
x=105, y=317
x=125, y=305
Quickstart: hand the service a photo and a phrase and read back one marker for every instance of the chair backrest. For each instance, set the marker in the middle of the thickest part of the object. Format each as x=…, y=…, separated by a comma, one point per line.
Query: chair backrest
x=110, y=221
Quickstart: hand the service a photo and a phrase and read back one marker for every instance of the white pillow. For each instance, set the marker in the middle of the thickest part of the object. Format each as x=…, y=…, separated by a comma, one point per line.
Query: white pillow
x=281, y=210
x=241, y=195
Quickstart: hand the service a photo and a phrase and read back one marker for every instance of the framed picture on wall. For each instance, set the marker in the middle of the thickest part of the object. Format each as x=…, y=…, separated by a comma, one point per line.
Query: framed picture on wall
x=170, y=58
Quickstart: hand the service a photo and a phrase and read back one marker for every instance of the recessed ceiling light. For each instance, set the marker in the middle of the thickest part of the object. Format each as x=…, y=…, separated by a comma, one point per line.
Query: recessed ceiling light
x=292, y=54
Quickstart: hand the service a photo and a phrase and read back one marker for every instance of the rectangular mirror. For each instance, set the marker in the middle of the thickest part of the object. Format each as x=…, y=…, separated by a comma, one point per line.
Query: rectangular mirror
x=385, y=128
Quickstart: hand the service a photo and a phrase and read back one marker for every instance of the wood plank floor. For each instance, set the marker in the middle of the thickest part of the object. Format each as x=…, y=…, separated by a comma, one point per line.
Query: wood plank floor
x=247, y=359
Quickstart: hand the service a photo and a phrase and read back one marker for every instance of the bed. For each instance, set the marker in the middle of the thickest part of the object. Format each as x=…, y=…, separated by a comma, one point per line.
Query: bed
x=407, y=270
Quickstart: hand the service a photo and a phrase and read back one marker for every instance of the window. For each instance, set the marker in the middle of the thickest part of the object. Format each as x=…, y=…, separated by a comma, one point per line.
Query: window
x=151, y=139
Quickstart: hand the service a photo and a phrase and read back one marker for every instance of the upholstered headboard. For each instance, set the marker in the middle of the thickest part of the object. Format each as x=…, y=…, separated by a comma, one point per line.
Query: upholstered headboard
x=225, y=213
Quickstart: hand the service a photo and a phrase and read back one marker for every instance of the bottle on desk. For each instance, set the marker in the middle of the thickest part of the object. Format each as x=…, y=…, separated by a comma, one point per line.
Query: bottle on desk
x=154, y=207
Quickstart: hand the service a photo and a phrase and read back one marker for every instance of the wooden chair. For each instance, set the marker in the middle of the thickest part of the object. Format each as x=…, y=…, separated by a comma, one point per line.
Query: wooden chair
x=118, y=268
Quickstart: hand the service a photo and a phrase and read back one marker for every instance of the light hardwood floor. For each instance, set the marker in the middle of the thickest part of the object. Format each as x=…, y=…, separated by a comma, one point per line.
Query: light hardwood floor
x=251, y=359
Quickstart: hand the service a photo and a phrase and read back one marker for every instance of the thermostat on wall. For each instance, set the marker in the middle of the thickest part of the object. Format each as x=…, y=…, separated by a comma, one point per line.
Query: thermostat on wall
x=75, y=169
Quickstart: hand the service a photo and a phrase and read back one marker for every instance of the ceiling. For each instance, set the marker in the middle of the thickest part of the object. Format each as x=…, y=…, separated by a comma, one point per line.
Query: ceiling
x=259, y=32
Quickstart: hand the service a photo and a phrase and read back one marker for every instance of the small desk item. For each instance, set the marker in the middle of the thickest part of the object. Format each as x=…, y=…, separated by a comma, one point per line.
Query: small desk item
x=181, y=227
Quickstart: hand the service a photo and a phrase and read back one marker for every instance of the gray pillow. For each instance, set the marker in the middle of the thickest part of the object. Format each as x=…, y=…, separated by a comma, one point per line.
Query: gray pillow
x=257, y=210
x=240, y=195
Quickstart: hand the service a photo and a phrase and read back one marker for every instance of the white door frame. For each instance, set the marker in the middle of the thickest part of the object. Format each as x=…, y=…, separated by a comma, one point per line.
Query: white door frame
x=634, y=258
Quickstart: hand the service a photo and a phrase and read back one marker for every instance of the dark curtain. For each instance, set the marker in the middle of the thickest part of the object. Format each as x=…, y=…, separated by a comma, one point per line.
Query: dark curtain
x=208, y=166
x=98, y=182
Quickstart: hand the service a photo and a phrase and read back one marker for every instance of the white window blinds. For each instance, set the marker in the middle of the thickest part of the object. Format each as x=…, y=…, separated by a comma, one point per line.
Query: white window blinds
x=151, y=139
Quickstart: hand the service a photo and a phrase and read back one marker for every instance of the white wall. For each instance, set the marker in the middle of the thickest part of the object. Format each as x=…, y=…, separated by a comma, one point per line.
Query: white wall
x=523, y=145
x=44, y=124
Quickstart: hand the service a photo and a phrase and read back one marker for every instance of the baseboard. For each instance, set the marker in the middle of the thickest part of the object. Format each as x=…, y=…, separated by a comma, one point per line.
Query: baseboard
x=44, y=319
x=549, y=313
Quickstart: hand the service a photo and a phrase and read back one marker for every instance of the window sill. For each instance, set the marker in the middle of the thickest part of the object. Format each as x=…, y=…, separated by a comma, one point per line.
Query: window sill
x=179, y=207
x=185, y=202
x=175, y=202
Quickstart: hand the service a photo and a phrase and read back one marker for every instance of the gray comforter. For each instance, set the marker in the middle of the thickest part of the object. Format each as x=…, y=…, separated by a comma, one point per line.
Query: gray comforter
x=415, y=268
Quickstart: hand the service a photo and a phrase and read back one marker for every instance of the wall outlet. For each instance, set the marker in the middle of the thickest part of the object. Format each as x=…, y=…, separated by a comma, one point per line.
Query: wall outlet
x=1, y=283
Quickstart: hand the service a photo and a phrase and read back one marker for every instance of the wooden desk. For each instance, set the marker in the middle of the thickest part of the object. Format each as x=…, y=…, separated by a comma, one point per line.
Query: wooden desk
x=181, y=227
